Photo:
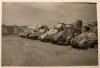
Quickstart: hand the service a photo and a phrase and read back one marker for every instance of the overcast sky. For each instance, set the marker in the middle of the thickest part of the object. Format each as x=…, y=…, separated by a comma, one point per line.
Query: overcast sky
x=48, y=13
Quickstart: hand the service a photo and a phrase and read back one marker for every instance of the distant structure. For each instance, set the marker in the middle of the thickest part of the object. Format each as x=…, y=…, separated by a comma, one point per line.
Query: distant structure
x=78, y=24
x=21, y=29
x=12, y=29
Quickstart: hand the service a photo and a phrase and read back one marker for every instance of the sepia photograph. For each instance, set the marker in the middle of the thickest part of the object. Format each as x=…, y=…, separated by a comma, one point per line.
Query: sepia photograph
x=49, y=34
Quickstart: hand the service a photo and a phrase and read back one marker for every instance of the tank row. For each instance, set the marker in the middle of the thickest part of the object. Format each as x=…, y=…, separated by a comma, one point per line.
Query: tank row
x=76, y=34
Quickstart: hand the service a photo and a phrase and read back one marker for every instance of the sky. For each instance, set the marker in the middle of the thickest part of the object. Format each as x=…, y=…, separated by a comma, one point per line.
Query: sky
x=47, y=13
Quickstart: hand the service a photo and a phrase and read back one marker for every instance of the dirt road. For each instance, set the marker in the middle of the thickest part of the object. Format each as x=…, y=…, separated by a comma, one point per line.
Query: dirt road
x=18, y=51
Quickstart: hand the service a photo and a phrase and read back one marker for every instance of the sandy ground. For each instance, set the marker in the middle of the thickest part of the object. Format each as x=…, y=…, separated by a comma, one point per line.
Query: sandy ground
x=17, y=51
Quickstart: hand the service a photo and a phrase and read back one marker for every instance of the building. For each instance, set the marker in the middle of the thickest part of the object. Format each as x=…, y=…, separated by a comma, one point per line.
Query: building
x=21, y=29
x=12, y=29
x=4, y=29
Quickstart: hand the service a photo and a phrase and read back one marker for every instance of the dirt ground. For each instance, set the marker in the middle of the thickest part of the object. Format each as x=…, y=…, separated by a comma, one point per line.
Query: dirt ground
x=17, y=51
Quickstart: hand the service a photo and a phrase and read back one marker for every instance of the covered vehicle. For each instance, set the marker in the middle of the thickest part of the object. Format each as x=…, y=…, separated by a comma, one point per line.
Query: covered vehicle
x=46, y=37
x=41, y=30
x=41, y=37
x=84, y=40
x=26, y=33
x=51, y=32
x=54, y=38
x=88, y=38
x=22, y=34
x=64, y=36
